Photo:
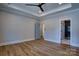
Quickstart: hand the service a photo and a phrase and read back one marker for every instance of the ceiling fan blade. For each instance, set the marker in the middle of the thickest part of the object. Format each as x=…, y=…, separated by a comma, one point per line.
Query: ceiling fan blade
x=30, y=5
x=41, y=9
x=42, y=3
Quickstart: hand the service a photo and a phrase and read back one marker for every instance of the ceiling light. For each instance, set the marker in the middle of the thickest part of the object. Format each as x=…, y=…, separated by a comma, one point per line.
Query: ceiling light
x=40, y=12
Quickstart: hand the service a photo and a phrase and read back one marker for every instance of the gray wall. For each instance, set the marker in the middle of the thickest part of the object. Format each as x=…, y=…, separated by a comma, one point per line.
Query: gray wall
x=53, y=27
x=16, y=28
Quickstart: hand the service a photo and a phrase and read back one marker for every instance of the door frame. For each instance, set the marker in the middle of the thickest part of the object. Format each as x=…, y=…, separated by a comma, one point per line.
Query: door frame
x=63, y=19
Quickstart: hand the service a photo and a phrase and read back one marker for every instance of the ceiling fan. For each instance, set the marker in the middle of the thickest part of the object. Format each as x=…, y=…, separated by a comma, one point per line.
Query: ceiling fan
x=39, y=5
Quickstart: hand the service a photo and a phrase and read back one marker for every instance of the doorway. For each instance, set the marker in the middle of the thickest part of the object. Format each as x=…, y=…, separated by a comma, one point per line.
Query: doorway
x=42, y=28
x=65, y=32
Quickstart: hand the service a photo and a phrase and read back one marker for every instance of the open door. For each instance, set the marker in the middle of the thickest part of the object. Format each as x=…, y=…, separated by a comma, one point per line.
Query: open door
x=65, y=32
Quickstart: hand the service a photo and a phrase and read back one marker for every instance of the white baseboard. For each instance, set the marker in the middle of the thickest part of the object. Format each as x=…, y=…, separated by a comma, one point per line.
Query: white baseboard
x=60, y=42
x=51, y=41
x=14, y=42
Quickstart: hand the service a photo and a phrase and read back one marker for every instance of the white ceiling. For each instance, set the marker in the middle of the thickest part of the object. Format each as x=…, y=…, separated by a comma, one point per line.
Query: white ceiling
x=33, y=10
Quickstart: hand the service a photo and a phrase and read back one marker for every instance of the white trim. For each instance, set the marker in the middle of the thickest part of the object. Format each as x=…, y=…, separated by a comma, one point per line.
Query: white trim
x=57, y=14
x=51, y=41
x=60, y=43
x=14, y=42
x=26, y=11
x=61, y=8
x=63, y=18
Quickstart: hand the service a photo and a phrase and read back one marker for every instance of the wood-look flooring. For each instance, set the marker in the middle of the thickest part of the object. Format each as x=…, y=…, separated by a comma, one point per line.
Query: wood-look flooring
x=38, y=48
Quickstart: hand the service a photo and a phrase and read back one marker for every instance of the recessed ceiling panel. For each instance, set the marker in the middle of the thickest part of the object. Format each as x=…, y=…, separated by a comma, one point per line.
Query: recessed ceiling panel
x=34, y=10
